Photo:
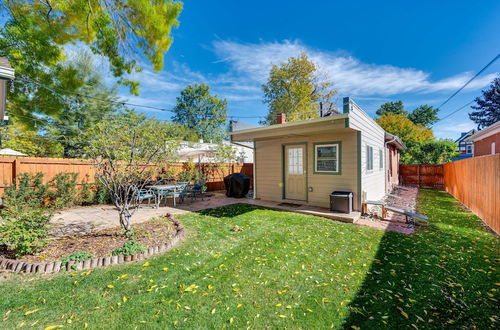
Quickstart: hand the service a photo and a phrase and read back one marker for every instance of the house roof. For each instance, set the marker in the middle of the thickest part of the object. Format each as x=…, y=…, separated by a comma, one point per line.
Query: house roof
x=11, y=152
x=488, y=131
x=316, y=125
x=465, y=135
x=394, y=140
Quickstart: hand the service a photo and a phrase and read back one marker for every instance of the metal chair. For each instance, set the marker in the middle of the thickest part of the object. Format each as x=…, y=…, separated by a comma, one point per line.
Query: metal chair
x=178, y=192
x=143, y=194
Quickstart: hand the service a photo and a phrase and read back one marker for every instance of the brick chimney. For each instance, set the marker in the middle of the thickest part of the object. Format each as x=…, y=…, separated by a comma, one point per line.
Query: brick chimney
x=281, y=118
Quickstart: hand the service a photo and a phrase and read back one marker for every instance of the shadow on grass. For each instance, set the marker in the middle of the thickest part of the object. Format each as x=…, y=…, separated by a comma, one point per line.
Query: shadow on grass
x=229, y=211
x=442, y=276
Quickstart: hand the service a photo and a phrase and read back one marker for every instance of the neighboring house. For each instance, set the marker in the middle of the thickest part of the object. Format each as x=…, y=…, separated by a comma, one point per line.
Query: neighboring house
x=305, y=161
x=6, y=74
x=203, y=152
x=486, y=141
x=465, y=148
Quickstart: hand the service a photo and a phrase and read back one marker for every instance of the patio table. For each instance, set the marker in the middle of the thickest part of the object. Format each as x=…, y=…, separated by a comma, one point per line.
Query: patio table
x=158, y=189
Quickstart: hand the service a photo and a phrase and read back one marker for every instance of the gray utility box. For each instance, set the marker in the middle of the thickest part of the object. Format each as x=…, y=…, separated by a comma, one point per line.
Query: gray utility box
x=341, y=201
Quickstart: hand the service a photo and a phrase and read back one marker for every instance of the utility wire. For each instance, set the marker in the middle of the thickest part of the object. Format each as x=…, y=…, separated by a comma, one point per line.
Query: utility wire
x=453, y=112
x=56, y=90
x=469, y=81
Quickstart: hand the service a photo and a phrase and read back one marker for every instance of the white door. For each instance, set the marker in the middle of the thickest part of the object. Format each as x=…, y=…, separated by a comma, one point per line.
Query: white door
x=295, y=173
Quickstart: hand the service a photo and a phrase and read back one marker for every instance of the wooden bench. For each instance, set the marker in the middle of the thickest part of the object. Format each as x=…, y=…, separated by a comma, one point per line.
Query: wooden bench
x=410, y=217
x=364, y=206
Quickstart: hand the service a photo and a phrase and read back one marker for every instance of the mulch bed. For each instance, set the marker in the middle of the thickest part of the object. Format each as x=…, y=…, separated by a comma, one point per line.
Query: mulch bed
x=101, y=243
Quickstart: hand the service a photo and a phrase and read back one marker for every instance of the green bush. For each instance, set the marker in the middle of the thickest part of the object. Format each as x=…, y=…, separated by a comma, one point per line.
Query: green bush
x=28, y=192
x=185, y=176
x=86, y=193
x=129, y=248
x=24, y=231
x=77, y=256
x=63, y=190
x=102, y=194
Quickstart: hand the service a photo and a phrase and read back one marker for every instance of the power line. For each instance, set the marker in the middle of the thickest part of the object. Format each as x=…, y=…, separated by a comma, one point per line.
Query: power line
x=77, y=94
x=469, y=81
x=453, y=112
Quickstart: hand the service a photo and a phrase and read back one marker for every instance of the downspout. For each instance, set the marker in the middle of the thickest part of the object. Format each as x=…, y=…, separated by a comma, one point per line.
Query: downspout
x=385, y=155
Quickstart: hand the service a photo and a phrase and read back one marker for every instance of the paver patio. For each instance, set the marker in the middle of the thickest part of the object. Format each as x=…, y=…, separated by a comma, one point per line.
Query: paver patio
x=87, y=219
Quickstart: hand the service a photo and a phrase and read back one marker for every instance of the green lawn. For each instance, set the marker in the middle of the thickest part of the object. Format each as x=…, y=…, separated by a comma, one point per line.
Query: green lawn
x=283, y=270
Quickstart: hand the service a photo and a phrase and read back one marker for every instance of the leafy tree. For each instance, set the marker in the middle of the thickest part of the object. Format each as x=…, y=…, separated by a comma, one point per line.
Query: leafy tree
x=404, y=128
x=35, y=34
x=488, y=107
x=296, y=89
x=410, y=133
x=432, y=152
x=395, y=108
x=424, y=115
x=127, y=150
x=70, y=126
x=20, y=138
x=201, y=112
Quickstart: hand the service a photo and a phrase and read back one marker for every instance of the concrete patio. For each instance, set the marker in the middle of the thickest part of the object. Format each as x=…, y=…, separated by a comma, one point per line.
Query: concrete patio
x=87, y=219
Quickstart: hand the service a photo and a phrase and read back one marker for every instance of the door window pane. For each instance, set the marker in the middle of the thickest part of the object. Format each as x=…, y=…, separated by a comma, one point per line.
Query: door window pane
x=295, y=162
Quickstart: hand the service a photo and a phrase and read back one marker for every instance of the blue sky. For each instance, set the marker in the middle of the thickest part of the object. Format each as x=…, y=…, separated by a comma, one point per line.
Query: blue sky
x=374, y=51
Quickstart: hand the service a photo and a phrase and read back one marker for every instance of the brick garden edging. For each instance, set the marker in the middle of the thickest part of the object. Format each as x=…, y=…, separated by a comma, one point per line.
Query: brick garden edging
x=54, y=267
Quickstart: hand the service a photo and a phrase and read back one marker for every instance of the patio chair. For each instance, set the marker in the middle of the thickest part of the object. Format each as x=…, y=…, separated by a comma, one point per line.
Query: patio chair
x=194, y=190
x=179, y=192
x=143, y=194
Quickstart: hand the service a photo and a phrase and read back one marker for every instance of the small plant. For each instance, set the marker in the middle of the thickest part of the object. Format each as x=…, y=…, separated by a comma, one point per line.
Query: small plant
x=129, y=248
x=25, y=231
x=77, y=256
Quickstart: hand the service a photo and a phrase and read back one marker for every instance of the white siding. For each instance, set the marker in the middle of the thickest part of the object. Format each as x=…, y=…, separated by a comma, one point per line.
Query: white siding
x=372, y=181
x=268, y=167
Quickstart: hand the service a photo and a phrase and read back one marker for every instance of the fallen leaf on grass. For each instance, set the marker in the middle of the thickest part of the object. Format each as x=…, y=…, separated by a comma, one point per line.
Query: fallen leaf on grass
x=32, y=311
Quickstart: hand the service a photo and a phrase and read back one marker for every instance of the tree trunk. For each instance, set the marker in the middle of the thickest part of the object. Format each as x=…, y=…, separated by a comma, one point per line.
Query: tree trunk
x=125, y=221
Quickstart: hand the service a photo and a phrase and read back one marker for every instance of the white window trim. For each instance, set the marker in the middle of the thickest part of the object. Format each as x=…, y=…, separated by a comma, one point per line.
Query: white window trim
x=381, y=159
x=366, y=159
x=316, y=158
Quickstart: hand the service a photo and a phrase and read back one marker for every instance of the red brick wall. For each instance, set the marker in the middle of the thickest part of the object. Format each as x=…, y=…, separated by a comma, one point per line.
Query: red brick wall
x=483, y=147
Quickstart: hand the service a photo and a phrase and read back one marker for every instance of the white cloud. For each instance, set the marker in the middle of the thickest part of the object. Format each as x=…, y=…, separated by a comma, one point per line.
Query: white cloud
x=253, y=61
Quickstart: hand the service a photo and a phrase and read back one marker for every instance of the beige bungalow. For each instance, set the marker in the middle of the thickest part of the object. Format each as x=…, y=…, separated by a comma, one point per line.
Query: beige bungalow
x=303, y=162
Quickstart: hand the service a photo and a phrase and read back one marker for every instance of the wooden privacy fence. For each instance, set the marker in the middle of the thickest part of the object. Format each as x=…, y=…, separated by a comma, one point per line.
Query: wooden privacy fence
x=11, y=167
x=424, y=176
x=475, y=182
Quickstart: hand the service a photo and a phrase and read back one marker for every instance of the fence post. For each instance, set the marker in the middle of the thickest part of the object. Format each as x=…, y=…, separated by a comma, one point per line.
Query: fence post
x=16, y=170
x=418, y=175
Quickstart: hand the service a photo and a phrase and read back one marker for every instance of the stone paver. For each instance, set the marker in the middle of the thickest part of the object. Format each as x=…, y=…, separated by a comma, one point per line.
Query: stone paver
x=402, y=197
x=88, y=219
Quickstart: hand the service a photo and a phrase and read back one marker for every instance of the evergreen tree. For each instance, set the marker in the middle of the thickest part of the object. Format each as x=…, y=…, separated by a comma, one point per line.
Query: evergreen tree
x=424, y=115
x=395, y=108
x=488, y=107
